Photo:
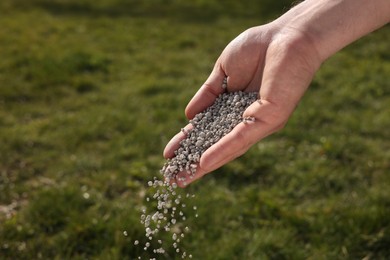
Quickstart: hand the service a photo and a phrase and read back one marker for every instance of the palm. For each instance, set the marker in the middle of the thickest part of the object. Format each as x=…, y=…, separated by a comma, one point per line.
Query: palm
x=261, y=59
x=241, y=62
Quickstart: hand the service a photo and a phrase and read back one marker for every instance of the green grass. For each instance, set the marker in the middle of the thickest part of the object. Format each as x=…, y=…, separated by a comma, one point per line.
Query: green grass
x=91, y=91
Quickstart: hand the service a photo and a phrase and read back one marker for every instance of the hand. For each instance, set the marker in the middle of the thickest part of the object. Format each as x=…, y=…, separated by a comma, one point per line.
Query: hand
x=278, y=60
x=278, y=64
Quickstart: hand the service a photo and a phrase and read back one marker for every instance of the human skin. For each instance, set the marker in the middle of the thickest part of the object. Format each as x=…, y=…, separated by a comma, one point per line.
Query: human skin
x=278, y=60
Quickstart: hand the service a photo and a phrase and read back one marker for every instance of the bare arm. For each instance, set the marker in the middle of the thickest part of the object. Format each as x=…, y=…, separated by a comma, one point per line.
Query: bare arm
x=279, y=60
x=333, y=24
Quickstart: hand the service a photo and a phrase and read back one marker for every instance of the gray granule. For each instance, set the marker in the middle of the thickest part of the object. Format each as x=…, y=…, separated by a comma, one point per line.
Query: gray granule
x=169, y=212
x=224, y=83
x=209, y=127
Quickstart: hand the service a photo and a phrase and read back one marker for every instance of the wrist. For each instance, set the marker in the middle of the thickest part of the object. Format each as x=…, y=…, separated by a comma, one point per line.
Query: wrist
x=330, y=25
x=298, y=42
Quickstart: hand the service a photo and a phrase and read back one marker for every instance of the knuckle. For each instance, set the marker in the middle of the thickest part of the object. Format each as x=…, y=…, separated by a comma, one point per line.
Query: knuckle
x=241, y=141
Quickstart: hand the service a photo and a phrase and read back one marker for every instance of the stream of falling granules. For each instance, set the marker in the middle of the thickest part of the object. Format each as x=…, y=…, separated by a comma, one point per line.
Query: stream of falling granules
x=167, y=206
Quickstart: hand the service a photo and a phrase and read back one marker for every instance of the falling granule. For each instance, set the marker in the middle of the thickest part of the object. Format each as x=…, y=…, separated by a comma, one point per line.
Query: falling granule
x=168, y=214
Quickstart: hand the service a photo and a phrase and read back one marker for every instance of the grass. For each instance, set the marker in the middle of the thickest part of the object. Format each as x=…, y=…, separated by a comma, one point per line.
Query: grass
x=91, y=91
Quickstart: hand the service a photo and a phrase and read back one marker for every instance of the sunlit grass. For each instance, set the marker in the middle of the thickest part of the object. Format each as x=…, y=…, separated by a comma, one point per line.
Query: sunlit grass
x=90, y=93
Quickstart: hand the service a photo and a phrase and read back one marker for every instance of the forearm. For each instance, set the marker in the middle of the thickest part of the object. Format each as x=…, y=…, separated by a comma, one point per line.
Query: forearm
x=330, y=25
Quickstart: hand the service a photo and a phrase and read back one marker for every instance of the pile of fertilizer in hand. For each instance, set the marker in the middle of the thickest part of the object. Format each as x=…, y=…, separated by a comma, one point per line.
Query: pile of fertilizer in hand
x=209, y=127
x=168, y=213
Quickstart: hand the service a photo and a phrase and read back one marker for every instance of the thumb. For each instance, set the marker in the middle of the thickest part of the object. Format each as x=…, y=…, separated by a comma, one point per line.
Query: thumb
x=268, y=118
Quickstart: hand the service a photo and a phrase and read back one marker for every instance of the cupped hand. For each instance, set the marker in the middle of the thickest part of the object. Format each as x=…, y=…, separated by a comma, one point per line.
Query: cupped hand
x=276, y=61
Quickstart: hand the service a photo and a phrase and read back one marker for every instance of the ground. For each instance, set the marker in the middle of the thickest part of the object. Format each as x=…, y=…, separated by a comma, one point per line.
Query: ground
x=91, y=91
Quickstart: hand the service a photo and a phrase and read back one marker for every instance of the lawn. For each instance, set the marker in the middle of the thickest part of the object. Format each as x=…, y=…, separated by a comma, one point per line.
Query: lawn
x=91, y=92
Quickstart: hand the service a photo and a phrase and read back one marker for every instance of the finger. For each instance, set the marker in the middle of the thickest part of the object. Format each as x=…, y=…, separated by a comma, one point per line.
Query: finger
x=207, y=94
x=244, y=135
x=183, y=179
x=268, y=119
x=228, y=148
x=174, y=143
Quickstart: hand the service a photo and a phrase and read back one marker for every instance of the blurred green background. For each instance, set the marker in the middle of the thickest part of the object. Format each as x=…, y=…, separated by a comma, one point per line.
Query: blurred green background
x=91, y=91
